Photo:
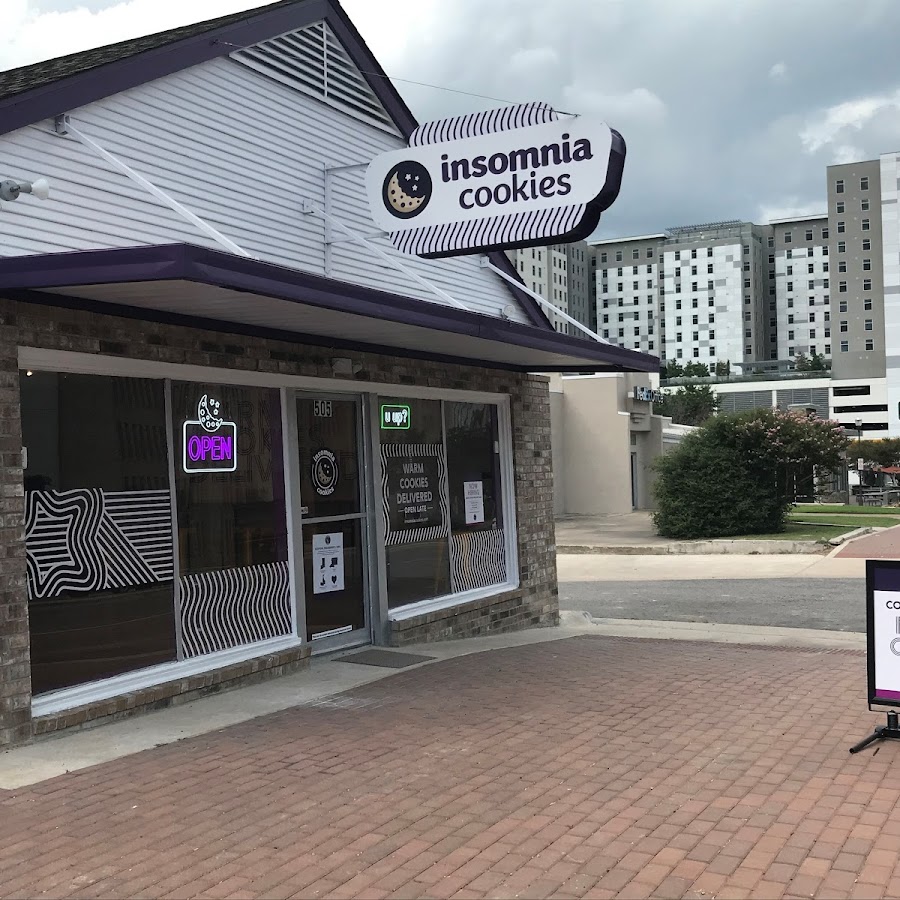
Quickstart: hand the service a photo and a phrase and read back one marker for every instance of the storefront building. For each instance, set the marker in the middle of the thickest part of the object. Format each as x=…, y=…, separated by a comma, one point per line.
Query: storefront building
x=230, y=435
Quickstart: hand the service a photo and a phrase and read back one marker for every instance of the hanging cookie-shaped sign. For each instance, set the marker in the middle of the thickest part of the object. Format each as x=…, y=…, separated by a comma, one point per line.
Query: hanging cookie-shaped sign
x=521, y=176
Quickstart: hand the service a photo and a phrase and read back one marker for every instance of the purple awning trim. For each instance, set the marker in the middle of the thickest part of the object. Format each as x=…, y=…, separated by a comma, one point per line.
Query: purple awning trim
x=185, y=262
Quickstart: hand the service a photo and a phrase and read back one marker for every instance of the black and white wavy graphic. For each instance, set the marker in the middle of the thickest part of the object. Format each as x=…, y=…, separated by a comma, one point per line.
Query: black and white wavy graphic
x=92, y=540
x=412, y=452
x=234, y=607
x=477, y=559
x=474, y=124
x=495, y=230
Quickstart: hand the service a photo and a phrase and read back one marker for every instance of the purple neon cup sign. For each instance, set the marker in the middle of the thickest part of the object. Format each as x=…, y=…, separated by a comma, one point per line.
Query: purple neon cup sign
x=209, y=443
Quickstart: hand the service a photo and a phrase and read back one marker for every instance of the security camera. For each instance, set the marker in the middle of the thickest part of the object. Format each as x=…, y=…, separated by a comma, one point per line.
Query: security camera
x=10, y=189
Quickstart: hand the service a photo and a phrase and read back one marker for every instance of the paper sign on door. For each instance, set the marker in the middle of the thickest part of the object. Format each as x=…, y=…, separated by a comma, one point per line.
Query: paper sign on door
x=474, y=493
x=328, y=563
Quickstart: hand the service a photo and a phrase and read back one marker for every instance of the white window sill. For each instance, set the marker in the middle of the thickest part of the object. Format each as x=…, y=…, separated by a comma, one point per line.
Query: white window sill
x=96, y=691
x=414, y=610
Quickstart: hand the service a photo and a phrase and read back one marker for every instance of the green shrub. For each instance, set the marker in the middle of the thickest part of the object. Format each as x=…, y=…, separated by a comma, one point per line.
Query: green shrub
x=731, y=475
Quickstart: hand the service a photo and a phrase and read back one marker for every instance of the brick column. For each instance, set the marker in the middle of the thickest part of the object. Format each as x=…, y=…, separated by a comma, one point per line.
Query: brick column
x=530, y=402
x=15, y=668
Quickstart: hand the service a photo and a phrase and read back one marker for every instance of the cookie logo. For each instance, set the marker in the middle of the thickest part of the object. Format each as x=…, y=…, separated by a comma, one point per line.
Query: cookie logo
x=325, y=472
x=208, y=413
x=406, y=190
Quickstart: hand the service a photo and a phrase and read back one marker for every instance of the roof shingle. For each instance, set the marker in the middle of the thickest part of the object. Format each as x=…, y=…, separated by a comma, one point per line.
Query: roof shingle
x=26, y=78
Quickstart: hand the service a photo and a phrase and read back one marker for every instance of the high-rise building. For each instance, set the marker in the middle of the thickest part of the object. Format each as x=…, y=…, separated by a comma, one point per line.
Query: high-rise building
x=581, y=287
x=856, y=247
x=764, y=297
x=689, y=294
x=628, y=291
x=562, y=275
x=798, y=299
x=889, y=188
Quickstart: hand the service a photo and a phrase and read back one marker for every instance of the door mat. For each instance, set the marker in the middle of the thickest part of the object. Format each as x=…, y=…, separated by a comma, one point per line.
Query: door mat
x=389, y=659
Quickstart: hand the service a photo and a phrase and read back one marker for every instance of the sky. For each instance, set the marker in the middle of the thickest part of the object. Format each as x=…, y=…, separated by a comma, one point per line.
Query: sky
x=730, y=109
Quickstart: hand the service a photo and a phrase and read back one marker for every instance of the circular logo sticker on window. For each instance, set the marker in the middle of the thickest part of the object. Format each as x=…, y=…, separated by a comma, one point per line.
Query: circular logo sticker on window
x=325, y=472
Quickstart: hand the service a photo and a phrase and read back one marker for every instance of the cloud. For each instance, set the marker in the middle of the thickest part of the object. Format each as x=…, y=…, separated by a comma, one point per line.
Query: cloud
x=680, y=81
x=831, y=126
x=847, y=153
x=792, y=208
x=534, y=57
x=630, y=104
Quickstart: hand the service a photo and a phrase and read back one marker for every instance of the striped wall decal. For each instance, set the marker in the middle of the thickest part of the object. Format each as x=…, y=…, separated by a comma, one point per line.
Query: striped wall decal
x=477, y=559
x=234, y=607
x=90, y=540
x=475, y=124
x=414, y=535
x=495, y=230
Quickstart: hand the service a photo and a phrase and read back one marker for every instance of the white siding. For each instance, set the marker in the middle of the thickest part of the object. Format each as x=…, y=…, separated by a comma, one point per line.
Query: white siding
x=238, y=150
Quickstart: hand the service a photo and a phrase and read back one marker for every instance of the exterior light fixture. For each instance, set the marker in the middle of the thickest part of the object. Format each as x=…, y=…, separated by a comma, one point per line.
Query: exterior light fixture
x=10, y=189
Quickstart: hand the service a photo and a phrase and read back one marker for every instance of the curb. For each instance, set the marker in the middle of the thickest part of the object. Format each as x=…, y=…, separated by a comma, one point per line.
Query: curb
x=850, y=535
x=709, y=632
x=734, y=548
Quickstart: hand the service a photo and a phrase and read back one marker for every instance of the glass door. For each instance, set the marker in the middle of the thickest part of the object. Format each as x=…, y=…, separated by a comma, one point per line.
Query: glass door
x=334, y=524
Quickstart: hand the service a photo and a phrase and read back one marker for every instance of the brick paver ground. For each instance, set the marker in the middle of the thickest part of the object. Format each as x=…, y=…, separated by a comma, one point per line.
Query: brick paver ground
x=590, y=767
x=879, y=545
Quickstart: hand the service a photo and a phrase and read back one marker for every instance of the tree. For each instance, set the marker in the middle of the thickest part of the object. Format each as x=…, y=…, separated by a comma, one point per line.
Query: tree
x=673, y=369
x=817, y=363
x=723, y=368
x=692, y=404
x=696, y=370
x=885, y=452
x=735, y=473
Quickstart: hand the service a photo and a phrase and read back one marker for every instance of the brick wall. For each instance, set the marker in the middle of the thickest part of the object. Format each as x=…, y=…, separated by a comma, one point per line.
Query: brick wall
x=15, y=668
x=536, y=601
x=181, y=690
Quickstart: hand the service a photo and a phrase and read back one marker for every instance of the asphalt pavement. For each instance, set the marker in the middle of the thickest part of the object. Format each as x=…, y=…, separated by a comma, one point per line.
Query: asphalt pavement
x=835, y=604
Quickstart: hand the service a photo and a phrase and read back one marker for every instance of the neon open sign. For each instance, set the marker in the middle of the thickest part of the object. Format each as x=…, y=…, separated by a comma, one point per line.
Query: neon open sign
x=209, y=442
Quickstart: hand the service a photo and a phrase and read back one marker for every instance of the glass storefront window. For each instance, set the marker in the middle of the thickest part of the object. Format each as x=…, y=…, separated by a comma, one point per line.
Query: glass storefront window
x=441, y=498
x=98, y=534
x=477, y=542
x=232, y=531
x=150, y=540
x=414, y=499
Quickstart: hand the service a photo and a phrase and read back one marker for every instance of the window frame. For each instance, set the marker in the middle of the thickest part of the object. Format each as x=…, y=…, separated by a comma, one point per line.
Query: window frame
x=289, y=385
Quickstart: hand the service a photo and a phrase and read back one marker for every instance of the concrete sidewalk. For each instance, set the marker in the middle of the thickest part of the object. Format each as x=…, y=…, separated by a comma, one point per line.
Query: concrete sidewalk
x=602, y=567
x=594, y=766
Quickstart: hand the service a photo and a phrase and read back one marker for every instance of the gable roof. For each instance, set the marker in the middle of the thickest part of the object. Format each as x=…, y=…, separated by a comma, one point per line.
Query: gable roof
x=26, y=78
x=46, y=89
